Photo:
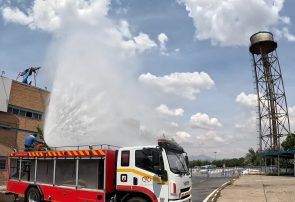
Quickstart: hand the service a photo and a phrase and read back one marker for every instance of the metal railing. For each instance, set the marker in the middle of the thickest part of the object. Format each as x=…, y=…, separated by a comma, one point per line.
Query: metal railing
x=227, y=172
x=85, y=147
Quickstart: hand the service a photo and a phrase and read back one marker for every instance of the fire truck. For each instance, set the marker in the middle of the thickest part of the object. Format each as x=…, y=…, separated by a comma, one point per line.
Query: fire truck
x=128, y=174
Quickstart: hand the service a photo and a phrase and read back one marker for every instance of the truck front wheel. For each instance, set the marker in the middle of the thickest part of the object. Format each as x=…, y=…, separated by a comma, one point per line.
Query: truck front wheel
x=33, y=195
x=136, y=199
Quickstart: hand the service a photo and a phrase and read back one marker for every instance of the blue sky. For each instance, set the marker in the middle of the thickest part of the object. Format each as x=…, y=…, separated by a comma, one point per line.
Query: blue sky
x=198, y=36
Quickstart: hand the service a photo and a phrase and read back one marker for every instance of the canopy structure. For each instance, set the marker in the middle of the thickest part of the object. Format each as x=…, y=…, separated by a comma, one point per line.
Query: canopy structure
x=280, y=154
x=289, y=154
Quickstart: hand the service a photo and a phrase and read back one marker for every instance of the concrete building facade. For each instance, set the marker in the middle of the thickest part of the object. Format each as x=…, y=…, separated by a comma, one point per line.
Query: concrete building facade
x=22, y=110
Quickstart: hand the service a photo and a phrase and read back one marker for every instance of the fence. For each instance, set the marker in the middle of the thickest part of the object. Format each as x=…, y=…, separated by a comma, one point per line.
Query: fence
x=237, y=171
x=217, y=172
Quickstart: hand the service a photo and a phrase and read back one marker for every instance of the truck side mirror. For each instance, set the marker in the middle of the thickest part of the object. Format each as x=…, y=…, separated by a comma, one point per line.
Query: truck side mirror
x=164, y=175
x=157, y=170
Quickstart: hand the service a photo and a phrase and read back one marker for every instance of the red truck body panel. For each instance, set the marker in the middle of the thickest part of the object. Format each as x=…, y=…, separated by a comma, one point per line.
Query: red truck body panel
x=67, y=193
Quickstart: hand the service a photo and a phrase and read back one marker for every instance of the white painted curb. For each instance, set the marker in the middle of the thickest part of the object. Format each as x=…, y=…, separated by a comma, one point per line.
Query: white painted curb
x=216, y=191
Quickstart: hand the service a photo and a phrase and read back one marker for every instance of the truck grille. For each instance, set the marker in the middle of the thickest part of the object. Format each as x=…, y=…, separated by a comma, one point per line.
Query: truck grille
x=185, y=189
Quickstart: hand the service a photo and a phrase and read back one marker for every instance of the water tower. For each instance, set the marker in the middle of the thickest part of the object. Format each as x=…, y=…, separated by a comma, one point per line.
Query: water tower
x=272, y=104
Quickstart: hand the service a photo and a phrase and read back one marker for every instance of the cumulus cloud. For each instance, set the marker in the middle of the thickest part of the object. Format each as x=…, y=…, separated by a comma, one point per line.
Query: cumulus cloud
x=184, y=84
x=287, y=34
x=162, y=38
x=209, y=136
x=247, y=100
x=17, y=16
x=291, y=111
x=54, y=15
x=182, y=137
x=62, y=16
x=203, y=121
x=164, y=110
x=144, y=42
x=232, y=22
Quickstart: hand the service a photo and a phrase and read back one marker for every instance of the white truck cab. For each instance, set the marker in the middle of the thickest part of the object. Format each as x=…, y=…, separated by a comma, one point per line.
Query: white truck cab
x=153, y=173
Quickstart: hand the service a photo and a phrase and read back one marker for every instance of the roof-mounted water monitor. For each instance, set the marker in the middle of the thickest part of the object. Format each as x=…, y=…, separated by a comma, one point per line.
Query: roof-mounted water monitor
x=170, y=145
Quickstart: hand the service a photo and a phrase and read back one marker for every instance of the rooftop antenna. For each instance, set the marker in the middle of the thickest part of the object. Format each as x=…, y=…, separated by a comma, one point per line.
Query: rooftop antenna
x=273, y=115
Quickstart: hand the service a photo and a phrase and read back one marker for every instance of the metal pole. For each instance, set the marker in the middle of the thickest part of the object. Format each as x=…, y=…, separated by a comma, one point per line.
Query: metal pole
x=20, y=169
x=278, y=165
x=54, y=170
x=35, y=175
x=265, y=164
x=77, y=173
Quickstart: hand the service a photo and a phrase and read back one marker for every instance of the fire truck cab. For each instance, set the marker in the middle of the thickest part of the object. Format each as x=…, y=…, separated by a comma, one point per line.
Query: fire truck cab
x=129, y=174
x=153, y=173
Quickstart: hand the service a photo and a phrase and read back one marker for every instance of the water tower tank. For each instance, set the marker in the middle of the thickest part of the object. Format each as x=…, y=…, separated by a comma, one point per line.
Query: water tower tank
x=262, y=42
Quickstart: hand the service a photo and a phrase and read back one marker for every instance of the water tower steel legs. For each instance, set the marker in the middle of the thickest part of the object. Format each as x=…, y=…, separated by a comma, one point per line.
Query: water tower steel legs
x=272, y=105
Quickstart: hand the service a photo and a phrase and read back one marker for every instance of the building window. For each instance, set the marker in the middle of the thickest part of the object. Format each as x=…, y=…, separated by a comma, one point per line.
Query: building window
x=3, y=164
x=24, y=112
x=15, y=111
x=29, y=114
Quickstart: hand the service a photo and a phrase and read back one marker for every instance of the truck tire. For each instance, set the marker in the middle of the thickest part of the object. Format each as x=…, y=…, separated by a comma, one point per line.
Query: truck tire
x=33, y=195
x=136, y=199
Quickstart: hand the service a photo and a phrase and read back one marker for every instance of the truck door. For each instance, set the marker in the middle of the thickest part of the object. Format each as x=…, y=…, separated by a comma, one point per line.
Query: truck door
x=150, y=164
x=140, y=173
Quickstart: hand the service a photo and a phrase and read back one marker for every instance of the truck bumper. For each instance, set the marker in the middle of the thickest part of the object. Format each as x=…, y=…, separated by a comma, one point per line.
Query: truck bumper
x=188, y=199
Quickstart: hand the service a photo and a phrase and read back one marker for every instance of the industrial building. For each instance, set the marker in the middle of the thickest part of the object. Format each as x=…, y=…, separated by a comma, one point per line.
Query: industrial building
x=22, y=110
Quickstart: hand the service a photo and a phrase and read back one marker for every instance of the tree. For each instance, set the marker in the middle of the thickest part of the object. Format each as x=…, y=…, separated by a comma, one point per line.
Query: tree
x=289, y=142
x=252, y=157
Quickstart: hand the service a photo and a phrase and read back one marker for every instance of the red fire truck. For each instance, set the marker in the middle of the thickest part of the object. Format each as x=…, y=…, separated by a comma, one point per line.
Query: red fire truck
x=129, y=174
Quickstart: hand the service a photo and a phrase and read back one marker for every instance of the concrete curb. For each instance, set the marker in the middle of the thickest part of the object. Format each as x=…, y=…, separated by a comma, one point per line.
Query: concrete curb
x=212, y=197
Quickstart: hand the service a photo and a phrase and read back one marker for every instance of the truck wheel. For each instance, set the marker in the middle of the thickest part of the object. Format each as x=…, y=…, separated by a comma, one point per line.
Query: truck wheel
x=33, y=195
x=136, y=199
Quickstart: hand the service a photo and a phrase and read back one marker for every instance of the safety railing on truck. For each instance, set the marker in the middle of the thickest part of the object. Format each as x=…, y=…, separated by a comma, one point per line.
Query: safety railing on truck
x=76, y=148
x=85, y=147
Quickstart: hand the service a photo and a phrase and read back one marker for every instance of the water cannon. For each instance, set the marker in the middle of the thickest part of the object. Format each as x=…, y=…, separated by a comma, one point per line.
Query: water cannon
x=27, y=73
x=170, y=145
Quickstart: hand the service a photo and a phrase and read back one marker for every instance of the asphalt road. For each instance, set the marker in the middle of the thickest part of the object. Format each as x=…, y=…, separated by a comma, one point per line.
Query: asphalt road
x=203, y=186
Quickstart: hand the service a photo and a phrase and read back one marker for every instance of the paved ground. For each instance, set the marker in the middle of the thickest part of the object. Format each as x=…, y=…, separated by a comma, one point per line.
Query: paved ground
x=203, y=186
x=260, y=188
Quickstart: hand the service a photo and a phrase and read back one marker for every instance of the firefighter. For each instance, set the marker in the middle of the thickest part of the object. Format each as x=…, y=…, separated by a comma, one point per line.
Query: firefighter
x=30, y=142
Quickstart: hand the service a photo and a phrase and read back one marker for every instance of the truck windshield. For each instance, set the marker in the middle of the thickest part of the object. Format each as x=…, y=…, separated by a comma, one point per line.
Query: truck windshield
x=177, y=162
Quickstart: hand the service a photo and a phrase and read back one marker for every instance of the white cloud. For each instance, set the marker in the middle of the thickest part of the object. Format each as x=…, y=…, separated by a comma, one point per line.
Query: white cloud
x=209, y=136
x=144, y=42
x=232, y=22
x=55, y=15
x=247, y=100
x=62, y=16
x=288, y=35
x=203, y=121
x=184, y=84
x=291, y=111
x=124, y=29
x=163, y=40
x=174, y=124
x=15, y=15
x=182, y=137
x=164, y=109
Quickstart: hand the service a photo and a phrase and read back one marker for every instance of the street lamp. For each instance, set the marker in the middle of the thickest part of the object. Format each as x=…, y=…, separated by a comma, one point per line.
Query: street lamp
x=215, y=155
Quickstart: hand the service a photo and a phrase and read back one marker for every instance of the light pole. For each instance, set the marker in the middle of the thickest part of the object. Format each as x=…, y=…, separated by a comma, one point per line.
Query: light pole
x=215, y=155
